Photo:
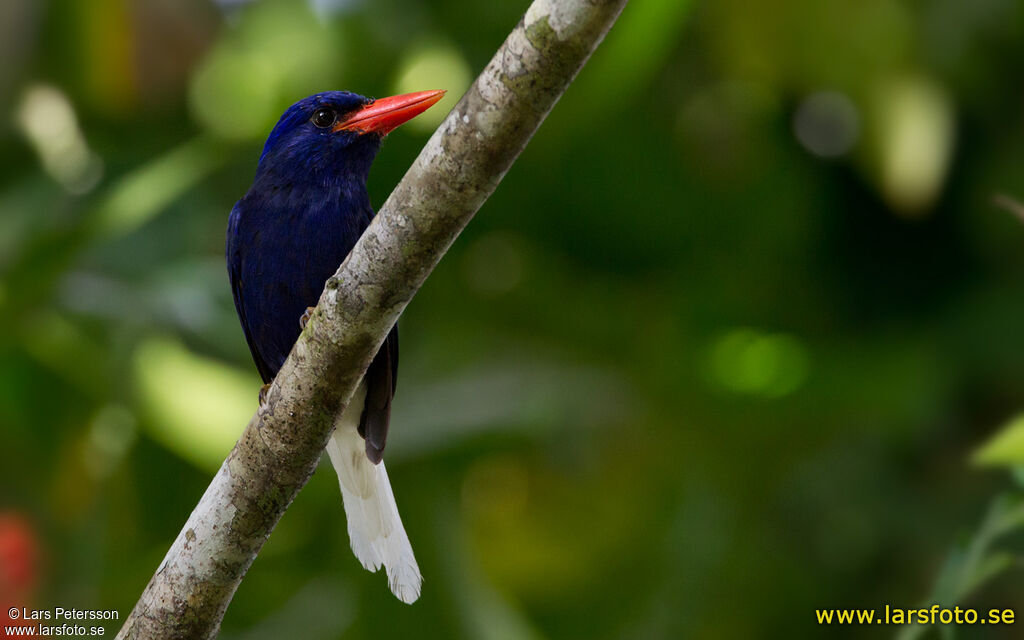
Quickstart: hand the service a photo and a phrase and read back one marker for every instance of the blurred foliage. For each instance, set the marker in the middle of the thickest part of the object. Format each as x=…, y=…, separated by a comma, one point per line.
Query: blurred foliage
x=974, y=563
x=735, y=339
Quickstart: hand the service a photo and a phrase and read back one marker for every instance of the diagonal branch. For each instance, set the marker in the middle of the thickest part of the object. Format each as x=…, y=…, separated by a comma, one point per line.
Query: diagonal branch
x=455, y=173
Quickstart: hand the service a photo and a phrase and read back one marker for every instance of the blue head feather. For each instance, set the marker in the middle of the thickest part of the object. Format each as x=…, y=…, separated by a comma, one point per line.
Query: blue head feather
x=297, y=147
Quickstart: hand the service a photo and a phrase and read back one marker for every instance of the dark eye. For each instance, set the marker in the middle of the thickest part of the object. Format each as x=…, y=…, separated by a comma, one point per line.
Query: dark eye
x=324, y=117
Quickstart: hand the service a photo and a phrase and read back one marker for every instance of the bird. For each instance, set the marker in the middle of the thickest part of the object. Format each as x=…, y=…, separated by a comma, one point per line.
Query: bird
x=306, y=208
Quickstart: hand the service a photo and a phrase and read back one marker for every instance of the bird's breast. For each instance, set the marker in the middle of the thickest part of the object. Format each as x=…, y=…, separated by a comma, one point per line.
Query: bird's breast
x=287, y=250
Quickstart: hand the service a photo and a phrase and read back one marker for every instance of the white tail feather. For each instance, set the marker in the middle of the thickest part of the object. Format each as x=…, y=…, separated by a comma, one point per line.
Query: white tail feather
x=374, y=526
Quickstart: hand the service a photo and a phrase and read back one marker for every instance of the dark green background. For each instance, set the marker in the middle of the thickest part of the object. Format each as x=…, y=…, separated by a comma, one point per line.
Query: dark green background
x=682, y=377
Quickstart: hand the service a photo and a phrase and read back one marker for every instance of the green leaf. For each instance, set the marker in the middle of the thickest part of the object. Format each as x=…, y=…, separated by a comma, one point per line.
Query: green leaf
x=1005, y=448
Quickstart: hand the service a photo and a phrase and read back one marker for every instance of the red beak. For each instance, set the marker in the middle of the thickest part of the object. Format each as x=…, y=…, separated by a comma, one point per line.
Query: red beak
x=384, y=115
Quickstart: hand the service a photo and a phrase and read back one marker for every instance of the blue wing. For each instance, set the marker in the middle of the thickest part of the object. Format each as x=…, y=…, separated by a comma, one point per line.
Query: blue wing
x=233, y=254
x=274, y=278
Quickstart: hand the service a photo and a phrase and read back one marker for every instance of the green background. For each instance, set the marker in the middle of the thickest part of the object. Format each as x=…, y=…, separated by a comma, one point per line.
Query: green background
x=740, y=335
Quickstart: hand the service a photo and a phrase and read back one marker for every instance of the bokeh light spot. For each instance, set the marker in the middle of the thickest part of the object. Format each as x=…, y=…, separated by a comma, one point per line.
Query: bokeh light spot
x=751, y=362
x=914, y=142
x=433, y=66
x=827, y=124
x=278, y=53
x=47, y=119
x=195, y=406
x=112, y=431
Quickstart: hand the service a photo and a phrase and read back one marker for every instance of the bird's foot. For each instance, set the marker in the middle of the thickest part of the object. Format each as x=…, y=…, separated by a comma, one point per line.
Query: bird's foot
x=304, y=320
x=263, y=393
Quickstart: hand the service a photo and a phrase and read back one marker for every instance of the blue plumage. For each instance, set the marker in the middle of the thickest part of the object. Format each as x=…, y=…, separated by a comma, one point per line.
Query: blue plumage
x=305, y=211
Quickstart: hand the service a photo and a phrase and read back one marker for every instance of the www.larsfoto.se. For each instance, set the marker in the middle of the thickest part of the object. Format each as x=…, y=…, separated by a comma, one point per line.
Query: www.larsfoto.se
x=930, y=615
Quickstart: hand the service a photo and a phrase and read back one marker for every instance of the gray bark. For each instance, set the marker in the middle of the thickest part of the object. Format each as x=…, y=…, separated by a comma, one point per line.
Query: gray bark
x=458, y=169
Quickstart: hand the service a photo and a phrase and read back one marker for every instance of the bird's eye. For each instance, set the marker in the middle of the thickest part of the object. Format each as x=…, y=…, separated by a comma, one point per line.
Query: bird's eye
x=324, y=117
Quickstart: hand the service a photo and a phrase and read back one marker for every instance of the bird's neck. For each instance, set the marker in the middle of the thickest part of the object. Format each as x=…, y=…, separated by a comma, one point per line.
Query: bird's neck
x=320, y=166
x=308, y=185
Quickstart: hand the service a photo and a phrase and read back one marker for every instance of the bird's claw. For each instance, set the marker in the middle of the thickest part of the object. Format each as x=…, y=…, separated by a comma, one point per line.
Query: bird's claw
x=304, y=320
x=263, y=393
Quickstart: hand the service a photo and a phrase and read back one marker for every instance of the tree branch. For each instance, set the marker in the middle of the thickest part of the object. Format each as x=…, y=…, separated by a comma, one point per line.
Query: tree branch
x=455, y=173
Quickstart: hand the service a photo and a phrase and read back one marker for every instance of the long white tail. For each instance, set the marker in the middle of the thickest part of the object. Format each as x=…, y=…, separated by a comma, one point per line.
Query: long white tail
x=374, y=526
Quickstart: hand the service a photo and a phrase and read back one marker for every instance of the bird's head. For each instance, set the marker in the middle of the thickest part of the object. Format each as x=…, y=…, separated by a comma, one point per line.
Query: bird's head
x=338, y=132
